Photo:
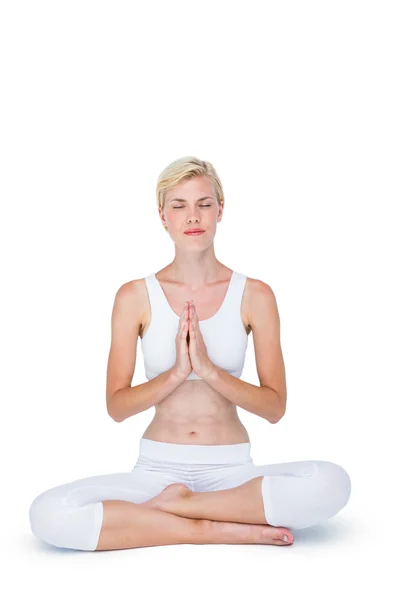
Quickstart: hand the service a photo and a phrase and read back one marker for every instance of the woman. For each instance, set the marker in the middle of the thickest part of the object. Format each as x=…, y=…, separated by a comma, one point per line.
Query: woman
x=194, y=480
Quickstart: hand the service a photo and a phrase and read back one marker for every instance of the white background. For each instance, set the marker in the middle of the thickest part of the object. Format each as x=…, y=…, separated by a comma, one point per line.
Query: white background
x=296, y=104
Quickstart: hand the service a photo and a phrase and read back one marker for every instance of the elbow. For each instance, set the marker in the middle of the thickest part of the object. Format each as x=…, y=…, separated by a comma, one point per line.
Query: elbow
x=277, y=419
x=115, y=418
x=111, y=410
x=112, y=415
x=280, y=413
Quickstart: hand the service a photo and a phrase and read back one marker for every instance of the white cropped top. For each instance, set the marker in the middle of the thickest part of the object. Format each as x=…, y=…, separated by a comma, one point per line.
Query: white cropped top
x=224, y=333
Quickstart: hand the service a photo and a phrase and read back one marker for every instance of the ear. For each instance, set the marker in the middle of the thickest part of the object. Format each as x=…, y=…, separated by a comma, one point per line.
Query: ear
x=220, y=211
x=161, y=213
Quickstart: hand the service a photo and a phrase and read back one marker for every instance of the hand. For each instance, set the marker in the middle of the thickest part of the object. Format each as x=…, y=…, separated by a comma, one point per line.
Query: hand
x=182, y=367
x=199, y=358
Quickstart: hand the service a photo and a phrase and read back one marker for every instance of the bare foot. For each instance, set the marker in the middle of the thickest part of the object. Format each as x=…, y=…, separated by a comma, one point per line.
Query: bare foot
x=171, y=492
x=243, y=533
x=227, y=532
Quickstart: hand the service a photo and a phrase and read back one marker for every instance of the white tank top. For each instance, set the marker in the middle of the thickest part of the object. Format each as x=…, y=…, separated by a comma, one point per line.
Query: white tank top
x=224, y=333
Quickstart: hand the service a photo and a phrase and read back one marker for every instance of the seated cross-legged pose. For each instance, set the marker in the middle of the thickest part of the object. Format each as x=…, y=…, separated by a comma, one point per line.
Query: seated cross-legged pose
x=194, y=481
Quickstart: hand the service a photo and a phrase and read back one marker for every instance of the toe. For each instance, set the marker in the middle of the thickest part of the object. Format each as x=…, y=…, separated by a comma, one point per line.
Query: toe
x=284, y=536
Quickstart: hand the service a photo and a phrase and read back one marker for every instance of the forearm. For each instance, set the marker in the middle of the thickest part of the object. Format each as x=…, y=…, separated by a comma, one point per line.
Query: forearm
x=259, y=400
x=130, y=401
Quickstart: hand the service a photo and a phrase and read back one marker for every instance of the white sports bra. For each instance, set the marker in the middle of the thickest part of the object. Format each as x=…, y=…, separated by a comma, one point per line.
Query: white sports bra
x=224, y=333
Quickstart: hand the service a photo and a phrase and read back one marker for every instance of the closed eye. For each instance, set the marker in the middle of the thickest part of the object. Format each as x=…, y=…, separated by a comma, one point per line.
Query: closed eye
x=201, y=205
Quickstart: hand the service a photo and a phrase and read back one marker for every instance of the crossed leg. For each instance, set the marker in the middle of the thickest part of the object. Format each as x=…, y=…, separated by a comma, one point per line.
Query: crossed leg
x=241, y=504
x=235, y=507
x=108, y=512
x=297, y=495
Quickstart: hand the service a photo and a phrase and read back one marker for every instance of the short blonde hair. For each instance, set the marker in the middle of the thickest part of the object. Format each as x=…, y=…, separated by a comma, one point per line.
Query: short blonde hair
x=183, y=169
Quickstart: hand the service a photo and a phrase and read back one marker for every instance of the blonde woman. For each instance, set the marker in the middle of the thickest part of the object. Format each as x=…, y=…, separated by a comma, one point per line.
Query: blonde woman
x=194, y=481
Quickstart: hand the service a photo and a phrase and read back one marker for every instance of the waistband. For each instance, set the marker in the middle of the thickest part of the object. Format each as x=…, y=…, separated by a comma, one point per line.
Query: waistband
x=191, y=453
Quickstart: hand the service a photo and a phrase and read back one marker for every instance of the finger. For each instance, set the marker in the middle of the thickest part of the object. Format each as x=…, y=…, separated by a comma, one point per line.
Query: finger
x=184, y=319
x=182, y=315
x=194, y=317
x=192, y=311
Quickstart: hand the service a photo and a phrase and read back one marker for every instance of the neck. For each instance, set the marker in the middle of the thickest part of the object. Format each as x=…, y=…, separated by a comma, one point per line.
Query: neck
x=195, y=269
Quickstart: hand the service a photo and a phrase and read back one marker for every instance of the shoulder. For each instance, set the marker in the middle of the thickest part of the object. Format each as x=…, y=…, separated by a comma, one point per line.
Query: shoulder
x=259, y=290
x=260, y=299
x=131, y=289
x=132, y=295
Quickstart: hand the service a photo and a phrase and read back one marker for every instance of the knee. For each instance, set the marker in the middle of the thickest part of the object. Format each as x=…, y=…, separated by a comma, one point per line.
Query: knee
x=60, y=523
x=335, y=482
x=45, y=516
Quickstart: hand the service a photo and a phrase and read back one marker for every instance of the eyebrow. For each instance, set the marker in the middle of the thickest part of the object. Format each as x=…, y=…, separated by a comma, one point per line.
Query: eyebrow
x=183, y=200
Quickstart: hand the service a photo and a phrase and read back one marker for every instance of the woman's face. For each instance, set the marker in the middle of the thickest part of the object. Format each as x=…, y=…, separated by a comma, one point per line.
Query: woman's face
x=189, y=205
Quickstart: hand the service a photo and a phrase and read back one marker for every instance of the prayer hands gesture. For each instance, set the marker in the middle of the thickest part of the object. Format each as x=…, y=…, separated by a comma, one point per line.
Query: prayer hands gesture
x=191, y=353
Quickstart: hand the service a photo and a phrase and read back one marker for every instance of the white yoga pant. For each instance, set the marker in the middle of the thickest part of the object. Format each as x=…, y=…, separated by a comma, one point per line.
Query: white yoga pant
x=296, y=495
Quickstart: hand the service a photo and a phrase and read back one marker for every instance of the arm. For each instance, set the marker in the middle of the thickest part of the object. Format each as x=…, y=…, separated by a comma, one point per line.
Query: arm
x=124, y=401
x=129, y=401
x=262, y=401
x=269, y=399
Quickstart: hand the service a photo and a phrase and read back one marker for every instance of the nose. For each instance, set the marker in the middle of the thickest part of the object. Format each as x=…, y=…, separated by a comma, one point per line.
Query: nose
x=193, y=216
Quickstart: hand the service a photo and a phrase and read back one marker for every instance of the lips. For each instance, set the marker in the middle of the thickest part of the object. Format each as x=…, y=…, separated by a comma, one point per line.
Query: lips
x=194, y=231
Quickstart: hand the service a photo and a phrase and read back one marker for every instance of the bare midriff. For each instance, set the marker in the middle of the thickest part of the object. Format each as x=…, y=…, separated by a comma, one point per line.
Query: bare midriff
x=195, y=413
